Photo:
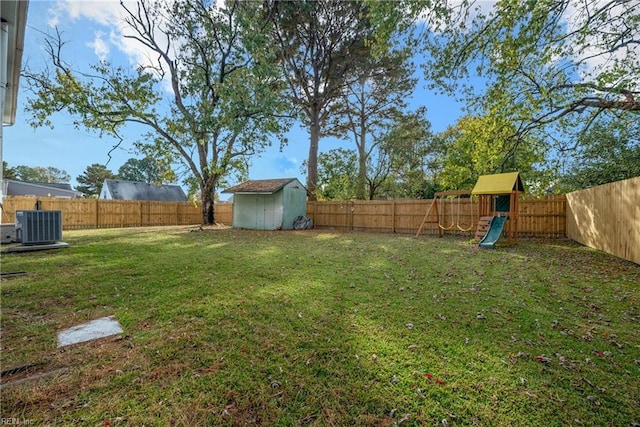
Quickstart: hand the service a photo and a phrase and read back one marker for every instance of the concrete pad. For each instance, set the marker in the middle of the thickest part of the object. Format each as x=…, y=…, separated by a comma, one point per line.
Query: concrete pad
x=29, y=248
x=99, y=328
x=7, y=233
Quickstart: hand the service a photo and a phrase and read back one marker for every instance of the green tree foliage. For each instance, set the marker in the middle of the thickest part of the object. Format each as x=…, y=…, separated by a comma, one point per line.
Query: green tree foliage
x=369, y=107
x=337, y=174
x=37, y=174
x=405, y=154
x=553, y=66
x=396, y=22
x=608, y=152
x=91, y=180
x=223, y=95
x=320, y=43
x=148, y=169
x=477, y=146
x=7, y=172
x=396, y=168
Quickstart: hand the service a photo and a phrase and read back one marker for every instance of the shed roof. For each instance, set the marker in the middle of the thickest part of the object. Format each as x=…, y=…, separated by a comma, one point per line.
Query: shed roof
x=129, y=190
x=500, y=183
x=261, y=186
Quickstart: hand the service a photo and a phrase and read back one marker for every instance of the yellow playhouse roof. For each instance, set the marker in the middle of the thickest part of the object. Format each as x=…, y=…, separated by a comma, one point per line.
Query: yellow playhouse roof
x=500, y=183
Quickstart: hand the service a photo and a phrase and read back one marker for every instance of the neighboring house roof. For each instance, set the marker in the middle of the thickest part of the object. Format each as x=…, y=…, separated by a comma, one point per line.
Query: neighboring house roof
x=261, y=186
x=14, y=15
x=501, y=183
x=129, y=190
x=60, y=186
x=12, y=187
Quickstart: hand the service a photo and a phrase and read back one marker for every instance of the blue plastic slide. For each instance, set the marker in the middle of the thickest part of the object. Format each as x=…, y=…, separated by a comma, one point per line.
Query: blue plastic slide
x=493, y=233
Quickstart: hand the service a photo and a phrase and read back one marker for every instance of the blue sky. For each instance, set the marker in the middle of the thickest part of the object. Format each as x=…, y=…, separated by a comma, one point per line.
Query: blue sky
x=88, y=27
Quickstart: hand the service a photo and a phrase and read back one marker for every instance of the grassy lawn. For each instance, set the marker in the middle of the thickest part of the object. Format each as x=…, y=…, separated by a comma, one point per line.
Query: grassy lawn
x=227, y=327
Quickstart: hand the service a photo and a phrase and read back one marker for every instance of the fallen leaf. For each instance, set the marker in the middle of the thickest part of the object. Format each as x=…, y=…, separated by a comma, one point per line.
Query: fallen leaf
x=403, y=419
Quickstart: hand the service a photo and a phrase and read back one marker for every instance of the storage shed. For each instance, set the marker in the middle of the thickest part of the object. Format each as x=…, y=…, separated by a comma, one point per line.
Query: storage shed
x=268, y=204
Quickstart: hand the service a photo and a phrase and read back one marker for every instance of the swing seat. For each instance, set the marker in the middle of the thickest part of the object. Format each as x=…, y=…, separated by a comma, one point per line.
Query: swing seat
x=465, y=229
x=460, y=227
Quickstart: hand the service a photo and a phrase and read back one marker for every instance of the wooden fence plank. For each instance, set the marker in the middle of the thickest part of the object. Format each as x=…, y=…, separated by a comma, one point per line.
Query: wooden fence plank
x=94, y=213
x=607, y=217
x=542, y=217
x=538, y=217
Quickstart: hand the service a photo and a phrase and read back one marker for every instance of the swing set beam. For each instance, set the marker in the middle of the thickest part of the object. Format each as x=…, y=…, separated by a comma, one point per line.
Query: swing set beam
x=453, y=193
x=434, y=203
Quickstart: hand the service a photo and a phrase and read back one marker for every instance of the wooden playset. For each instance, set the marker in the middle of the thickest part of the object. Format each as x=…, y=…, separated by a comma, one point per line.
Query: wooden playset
x=497, y=208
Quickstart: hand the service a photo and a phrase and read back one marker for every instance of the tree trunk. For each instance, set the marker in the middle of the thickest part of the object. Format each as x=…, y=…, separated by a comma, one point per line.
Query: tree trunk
x=208, y=210
x=312, y=163
x=361, y=182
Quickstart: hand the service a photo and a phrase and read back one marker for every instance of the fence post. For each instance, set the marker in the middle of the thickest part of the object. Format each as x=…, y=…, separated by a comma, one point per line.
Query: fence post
x=97, y=212
x=393, y=216
x=351, y=214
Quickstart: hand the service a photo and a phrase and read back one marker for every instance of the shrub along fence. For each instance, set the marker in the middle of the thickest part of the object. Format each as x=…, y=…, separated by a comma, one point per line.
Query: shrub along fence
x=607, y=217
x=538, y=217
x=99, y=213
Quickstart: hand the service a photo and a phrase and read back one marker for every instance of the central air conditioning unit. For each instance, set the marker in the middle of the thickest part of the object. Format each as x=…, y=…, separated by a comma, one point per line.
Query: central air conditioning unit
x=38, y=227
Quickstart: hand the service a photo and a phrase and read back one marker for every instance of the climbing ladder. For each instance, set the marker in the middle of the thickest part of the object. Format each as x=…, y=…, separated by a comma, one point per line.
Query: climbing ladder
x=483, y=226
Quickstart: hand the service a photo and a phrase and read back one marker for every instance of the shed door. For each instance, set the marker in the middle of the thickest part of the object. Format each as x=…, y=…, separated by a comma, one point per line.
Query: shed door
x=266, y=212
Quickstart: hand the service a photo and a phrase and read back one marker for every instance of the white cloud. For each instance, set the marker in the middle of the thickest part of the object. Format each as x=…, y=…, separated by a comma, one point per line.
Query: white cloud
x=99, y=46
x=102, y=12
x=109, y=15
x=106, y=18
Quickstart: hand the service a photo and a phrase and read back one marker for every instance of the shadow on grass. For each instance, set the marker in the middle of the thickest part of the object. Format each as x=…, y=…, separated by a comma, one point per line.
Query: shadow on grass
x=239, y=327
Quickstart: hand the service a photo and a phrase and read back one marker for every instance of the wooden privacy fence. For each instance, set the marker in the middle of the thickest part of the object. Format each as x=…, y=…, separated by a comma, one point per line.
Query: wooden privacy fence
x=538, y=217
x=607, y=217
x=99, y=213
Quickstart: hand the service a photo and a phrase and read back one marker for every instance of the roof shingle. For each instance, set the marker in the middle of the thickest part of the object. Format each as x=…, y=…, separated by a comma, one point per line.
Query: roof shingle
x=265, y=186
